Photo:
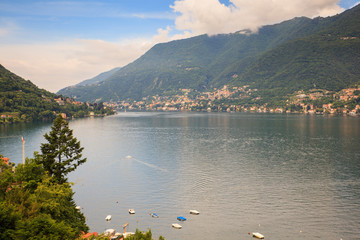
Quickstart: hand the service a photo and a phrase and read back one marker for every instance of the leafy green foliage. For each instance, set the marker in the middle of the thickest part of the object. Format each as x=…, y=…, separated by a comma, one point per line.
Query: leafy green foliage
x=62, y=154
x=142, y=236
x=34, y=206
x=21, y=100
x=36, y=202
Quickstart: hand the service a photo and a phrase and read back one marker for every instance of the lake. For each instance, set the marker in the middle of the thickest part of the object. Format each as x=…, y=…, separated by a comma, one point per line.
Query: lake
x=285, y=176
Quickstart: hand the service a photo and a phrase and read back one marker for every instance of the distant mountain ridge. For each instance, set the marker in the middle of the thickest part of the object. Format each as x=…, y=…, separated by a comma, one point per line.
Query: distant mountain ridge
x=294, y=55
x=99, y=78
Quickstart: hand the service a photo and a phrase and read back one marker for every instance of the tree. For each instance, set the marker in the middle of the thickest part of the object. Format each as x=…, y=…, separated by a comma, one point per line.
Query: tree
x=62, y=154
x=143, y=236
x=34, y=206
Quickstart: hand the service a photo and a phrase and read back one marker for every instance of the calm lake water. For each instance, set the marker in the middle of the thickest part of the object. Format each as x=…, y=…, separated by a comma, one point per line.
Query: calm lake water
x=285, y=176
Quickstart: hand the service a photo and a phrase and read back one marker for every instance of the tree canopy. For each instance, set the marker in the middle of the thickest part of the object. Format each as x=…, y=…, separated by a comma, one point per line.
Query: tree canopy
x=62, y=153
x=33, y=206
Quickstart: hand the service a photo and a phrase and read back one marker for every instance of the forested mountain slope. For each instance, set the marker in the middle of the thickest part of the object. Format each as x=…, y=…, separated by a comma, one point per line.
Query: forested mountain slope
x=293, y=55
x=21, y=100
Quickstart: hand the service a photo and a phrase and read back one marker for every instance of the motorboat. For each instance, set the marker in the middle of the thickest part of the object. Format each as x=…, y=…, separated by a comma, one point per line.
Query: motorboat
x=108, y=218
x=109, y=232
x=180, y=218
x=117, y=236
x=128, y=234
x=175, y=225
x=154, y=215
x=258, y=235
x=131, y=211
x=194, y=212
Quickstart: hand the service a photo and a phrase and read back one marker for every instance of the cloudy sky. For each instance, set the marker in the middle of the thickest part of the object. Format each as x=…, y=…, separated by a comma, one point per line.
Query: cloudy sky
x=57, y=43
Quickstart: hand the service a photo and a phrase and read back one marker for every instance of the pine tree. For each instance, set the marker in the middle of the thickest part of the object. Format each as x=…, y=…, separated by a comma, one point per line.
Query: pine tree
x=62, y=154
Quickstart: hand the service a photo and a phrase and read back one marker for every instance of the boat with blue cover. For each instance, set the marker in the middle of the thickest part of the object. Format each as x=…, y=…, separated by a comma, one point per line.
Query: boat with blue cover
x=180, y=218
x=154, y=215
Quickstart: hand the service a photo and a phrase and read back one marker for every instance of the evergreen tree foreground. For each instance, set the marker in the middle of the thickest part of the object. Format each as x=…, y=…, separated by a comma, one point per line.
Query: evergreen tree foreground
x=62, y=154
x=36, y=200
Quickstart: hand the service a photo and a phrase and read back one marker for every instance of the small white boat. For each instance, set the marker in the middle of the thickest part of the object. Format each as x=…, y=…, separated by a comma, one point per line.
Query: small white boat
x=128, y=234
x=176, y=225
x=194, y=212
x=154, y=215
x=108, y=218
x=109, y=232
x=258, y=235
x=131, y=211
x=117, y=236
x=77, y=207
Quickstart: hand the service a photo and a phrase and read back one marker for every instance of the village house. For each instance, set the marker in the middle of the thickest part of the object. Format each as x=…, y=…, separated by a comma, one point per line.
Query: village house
x=59, y=101
x=6, y=160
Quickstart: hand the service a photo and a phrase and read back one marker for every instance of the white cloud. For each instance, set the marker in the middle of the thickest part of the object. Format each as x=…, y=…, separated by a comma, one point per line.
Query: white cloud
x=213, y=17
x=56, y=65
x=166, y=35
x=60, y=64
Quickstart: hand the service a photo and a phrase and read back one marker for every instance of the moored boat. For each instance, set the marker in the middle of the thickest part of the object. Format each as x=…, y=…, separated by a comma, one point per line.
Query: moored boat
x=108, y=218
x=175, y=225
x=194, y=212
x=154, y=215
x=117, y=236
x=180, y=218
x=131, y=211
x=258, y=235
x=128, y=234
x=109, y=232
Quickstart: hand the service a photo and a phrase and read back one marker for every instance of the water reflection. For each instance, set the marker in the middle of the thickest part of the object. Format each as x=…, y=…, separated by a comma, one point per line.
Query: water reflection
x=287, y=176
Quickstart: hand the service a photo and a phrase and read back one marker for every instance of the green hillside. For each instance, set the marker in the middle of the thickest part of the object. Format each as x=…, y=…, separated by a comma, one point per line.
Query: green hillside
x=326, y=60
x=99, y=78
x=21, y=100
x=292, y=55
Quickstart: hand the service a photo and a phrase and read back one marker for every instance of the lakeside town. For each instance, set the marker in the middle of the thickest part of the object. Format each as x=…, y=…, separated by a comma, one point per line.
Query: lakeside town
x=67, y=107
x=226, y=99
x=315, y=101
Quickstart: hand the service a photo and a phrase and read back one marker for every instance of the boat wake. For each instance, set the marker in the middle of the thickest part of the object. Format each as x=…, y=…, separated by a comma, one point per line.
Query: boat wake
x=147, y=164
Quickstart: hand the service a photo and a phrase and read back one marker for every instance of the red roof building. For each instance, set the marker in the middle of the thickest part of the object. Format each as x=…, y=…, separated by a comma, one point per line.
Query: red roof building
x=6, y=160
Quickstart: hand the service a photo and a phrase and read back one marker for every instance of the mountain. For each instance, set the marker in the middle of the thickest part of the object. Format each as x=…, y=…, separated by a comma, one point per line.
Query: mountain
x=21, y=100
x=294, y=55
x=99, y=78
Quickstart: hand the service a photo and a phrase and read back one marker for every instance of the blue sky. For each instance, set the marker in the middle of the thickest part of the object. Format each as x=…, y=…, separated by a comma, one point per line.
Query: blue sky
x=58, y=43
